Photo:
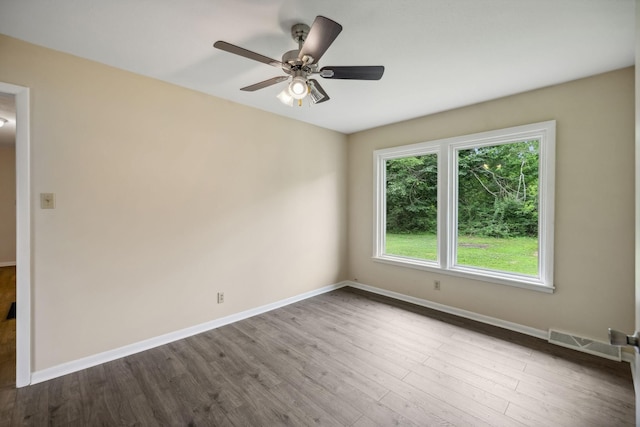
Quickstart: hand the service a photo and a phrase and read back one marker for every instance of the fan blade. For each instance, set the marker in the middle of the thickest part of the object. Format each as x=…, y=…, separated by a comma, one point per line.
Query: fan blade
x=320, y=95
x=264, y=84
x=322, y=33
x=372, y=72
x=237, y=50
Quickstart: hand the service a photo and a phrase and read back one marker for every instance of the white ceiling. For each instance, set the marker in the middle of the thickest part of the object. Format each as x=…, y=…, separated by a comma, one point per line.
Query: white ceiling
x=438, y=54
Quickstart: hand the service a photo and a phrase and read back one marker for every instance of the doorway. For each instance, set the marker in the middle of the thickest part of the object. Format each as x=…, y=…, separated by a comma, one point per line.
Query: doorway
x=23, y=233
x=7, y=240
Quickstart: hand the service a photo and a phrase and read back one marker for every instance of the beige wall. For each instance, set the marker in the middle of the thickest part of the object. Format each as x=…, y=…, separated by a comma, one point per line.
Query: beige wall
x=7, y=204
x=594, y=241
x=165, y=196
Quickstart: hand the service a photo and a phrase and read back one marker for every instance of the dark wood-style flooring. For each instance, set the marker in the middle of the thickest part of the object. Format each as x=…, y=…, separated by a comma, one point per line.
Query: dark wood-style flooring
x=7, y=327
x=346, y=358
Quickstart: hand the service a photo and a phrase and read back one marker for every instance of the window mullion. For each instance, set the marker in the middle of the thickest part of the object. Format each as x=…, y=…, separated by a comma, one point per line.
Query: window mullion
x=444, y=216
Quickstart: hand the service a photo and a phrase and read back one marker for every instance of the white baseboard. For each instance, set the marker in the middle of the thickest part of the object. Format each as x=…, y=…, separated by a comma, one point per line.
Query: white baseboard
x=636, y=381
x=108, y=356
x=516, y=327
x=7, y=264
x=538, y=333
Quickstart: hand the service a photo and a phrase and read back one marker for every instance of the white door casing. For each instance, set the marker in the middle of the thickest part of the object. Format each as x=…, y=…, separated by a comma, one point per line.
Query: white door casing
x=636, y=362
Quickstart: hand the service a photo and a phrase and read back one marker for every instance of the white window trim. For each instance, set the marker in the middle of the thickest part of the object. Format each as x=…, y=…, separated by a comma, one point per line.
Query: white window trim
x=446, y=149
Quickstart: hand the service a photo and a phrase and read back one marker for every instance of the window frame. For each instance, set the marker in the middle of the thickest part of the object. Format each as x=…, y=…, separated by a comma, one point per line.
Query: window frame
x=447, y=149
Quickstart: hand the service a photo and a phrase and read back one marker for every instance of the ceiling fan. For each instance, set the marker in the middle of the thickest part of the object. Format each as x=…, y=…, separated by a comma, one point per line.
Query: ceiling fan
x=302, y=63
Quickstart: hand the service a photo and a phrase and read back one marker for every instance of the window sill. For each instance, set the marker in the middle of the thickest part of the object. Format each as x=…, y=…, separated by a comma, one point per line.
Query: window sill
x=490, y=276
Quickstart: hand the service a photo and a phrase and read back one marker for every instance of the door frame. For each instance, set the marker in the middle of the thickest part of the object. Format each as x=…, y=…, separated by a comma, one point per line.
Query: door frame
x=635, y=364
x=23, y=233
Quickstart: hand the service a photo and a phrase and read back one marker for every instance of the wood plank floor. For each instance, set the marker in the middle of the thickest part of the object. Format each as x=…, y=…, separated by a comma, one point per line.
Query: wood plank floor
x=346, y=358
x=7, y=327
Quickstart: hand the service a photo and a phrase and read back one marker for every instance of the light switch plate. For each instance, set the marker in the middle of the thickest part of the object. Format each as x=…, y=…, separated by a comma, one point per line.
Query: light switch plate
x=47, y=201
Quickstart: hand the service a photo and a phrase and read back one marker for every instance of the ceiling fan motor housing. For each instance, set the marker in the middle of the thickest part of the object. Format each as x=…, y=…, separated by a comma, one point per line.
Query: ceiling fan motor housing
x=299, y=32
x=290, y=57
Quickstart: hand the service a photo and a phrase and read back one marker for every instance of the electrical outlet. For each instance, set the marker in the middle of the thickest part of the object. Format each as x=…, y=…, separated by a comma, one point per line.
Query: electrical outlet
x=436, y=285
x=220, y=297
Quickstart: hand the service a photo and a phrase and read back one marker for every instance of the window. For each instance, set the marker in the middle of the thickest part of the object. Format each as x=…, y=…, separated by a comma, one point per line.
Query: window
x=477, y=206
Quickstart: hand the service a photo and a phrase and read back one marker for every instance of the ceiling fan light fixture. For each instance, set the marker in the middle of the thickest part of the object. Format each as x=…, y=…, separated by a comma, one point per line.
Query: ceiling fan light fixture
x=298, y=87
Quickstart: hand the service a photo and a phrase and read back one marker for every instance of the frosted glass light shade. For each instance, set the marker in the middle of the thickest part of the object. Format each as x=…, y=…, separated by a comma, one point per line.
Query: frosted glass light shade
x=285, y=97
x=298, y=88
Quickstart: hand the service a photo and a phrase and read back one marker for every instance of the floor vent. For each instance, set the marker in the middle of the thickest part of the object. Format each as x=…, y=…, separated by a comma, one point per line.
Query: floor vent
x=585, y=345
